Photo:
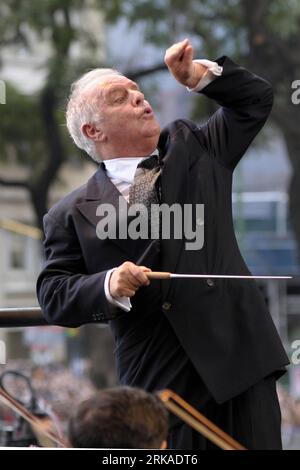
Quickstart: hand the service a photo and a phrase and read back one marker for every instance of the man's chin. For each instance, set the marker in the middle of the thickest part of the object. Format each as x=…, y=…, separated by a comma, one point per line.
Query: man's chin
x=152, y=129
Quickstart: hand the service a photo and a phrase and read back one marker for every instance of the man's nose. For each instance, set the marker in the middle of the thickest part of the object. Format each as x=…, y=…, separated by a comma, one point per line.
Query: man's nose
x=137, y=98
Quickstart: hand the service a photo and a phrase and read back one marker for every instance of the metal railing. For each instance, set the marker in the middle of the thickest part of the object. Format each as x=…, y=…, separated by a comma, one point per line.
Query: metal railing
x=18, y=317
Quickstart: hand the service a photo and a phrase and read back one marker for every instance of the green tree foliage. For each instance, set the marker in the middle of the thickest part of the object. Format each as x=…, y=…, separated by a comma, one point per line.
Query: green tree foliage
x=31, y=127
x=21, y=133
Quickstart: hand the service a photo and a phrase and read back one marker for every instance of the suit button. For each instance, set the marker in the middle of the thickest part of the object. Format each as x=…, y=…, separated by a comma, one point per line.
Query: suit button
x=210, y=282
x=166, y=306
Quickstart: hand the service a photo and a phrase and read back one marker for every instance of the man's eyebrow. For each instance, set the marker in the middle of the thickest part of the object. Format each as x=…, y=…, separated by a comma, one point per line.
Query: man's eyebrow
x=134, y=85
x=114, y=88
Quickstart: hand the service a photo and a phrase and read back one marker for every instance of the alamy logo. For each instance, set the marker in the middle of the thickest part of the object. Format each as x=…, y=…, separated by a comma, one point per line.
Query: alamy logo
x=180, y=222
x=296, y=354
x=2, y=92
x=2, y=352
x=296, y=94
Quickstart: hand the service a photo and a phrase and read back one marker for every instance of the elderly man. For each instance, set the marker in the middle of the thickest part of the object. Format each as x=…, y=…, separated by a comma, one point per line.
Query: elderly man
x=211, y=341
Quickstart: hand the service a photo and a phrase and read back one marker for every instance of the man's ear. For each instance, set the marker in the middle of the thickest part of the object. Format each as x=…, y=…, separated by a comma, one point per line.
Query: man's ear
x=92, y=132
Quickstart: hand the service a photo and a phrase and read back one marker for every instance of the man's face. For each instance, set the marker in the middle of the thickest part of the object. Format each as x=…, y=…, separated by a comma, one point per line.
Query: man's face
x=128, y=123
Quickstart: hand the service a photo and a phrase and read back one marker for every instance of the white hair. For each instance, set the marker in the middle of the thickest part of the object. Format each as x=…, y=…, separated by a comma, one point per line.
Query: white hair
x=83, y=108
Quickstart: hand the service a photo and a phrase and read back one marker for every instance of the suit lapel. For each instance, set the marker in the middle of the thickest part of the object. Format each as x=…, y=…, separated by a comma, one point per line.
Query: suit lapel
x=174, y=179
x=100, y=190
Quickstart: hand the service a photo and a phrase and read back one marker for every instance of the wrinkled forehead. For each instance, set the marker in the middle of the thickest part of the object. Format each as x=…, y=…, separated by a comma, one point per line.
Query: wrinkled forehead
x=110, y=82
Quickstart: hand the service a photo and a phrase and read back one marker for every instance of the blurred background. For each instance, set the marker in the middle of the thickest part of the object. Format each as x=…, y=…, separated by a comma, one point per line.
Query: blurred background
x=44, y=46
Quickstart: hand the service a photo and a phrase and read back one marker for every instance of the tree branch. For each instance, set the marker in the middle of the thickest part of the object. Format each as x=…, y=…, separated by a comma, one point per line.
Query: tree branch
x=15, y=183
x=136, y=74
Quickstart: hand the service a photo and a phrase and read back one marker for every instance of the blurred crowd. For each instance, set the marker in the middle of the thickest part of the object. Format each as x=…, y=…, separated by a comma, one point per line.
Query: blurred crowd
x=59, y=389
x=290, y=412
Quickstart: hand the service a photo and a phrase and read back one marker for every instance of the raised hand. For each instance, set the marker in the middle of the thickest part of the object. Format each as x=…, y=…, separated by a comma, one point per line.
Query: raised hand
x=179, y=60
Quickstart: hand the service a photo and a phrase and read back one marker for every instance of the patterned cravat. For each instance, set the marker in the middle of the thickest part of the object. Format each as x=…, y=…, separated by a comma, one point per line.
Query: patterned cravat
x=145, y=189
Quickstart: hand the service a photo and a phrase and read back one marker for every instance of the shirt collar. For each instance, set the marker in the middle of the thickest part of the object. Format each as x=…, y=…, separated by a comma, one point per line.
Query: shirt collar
x=123, y=168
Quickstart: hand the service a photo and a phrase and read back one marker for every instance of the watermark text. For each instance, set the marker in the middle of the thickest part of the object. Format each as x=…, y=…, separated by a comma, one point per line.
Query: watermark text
x=2, y=92
x=296, y=94
x=180, y=222
x=2, y=352
x=295, y=359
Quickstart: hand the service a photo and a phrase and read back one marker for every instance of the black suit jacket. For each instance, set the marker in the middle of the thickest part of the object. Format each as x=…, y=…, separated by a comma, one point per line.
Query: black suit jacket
x=223, y=326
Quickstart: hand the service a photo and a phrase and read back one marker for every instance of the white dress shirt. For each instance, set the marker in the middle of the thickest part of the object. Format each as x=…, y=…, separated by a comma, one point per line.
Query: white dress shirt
x=121, y=172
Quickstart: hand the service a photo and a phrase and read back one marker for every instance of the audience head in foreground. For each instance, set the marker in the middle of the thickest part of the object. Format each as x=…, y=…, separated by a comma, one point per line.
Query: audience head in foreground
x=122, y=417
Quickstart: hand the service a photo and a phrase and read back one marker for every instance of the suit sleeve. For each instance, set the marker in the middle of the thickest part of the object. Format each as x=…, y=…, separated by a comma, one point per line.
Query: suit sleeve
x=68, y=296
x=246, y=101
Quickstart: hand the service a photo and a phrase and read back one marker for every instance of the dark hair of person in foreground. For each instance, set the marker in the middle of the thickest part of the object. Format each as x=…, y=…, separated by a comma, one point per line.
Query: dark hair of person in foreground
x=123, y=417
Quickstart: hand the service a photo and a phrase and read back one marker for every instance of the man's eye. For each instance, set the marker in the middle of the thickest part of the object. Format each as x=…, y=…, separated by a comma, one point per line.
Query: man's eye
x=119, y=99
